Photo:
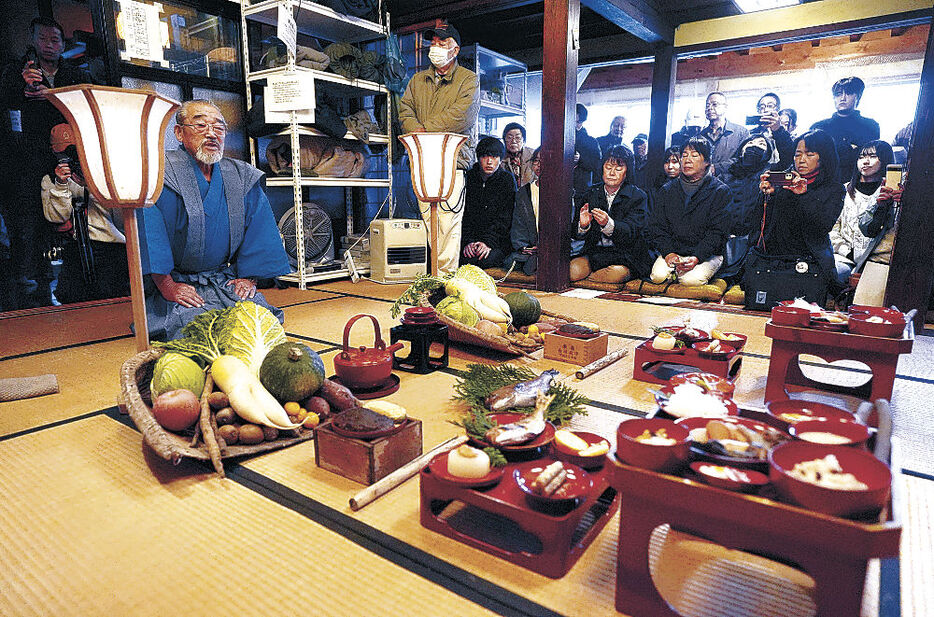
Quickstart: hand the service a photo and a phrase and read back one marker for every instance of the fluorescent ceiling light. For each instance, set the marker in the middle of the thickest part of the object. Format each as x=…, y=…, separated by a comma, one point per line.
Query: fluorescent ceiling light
x=751, y=6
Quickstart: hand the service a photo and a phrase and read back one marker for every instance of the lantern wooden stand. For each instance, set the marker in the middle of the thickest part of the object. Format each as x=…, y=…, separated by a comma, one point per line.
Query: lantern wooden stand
x=120, y=137
x=433, y=165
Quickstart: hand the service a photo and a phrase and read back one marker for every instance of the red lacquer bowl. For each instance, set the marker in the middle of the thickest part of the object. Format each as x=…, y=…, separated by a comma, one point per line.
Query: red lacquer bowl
x=732, y=478
x=864, y=466
x=892, y=327
x=708, y=381
x=571, y=456
x=649, y=456
x=812, y=431
x=791, y=316
x=786, y=410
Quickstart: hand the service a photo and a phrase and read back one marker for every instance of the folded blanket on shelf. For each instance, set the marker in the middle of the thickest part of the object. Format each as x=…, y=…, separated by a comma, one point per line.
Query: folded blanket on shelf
x=320, y=156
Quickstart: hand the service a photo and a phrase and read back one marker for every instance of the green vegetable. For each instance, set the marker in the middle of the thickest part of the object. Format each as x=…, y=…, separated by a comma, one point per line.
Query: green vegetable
x=424, y=283
x=458, y=310
x=292, y=372
x=476, y=275
x=201, y=337
x=524, y=307
x=249, y=332
x=496, y=457
x=490, y=306
x=174, y=371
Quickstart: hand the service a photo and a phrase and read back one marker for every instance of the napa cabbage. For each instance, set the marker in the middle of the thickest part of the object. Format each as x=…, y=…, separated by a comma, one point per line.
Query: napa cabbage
x=476, y=275
x=249, y=331
x=458, y=310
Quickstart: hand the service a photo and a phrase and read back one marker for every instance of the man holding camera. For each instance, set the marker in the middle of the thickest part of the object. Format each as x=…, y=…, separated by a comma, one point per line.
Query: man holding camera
x=94, y=264
x=27, y=155
x=769, y=124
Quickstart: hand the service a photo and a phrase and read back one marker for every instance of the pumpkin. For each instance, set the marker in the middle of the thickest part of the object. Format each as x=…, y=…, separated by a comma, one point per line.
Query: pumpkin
x=291, y=372
x=524, y=307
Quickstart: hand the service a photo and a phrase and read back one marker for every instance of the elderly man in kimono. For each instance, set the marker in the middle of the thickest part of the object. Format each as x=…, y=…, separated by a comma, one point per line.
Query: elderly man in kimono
x=211, y=233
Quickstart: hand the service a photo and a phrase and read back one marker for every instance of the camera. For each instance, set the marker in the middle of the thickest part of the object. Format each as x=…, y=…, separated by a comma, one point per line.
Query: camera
x=781, y=178
x=753, y=120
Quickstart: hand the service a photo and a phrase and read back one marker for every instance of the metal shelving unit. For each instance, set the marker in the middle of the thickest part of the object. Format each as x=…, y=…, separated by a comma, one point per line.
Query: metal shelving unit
x=495, y=69
x=323, y=23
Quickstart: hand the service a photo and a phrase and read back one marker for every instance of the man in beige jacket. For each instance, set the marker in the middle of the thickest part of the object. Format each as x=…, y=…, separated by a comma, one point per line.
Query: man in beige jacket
x=444, y=98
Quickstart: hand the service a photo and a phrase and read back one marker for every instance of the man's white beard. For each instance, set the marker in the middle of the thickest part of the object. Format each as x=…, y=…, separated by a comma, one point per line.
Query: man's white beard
x=206, y=158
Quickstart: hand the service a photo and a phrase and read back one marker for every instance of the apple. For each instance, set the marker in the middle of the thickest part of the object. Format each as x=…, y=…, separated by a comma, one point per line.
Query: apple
x=176, y=410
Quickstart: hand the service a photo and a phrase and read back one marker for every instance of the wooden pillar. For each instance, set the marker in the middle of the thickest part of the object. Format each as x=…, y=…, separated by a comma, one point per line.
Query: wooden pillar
x=912, y=267
x=664, y=73
x=559, y=117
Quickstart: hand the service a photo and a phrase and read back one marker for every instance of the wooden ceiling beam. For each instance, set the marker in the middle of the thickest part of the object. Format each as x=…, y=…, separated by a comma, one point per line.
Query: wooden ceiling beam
x=452, y=11
x=637, y=17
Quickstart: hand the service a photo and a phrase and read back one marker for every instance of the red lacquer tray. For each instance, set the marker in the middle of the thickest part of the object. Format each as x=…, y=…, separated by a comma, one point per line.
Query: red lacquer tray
x=503, y=521
x=658, y=366
x=833, y=551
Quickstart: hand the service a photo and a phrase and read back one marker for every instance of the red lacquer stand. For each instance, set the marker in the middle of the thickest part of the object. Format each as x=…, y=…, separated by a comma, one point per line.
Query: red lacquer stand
x=878, y=353
x=833, y=551
x=656, y=367
x=560, y=536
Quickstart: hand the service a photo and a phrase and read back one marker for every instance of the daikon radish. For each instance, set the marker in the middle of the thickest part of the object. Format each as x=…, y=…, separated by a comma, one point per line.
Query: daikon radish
x=248, y=397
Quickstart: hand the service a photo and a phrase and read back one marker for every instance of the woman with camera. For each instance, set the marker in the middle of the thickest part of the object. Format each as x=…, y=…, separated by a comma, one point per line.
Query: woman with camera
x=868, y=213
x=800, y=208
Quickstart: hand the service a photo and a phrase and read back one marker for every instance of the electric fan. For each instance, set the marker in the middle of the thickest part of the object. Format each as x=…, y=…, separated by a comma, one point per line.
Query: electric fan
x=319, y=238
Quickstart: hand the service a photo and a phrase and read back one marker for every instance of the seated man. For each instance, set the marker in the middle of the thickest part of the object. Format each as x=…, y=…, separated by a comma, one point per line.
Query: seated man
x=94, y=264
x=211, y=232
x=690, y=220
x=524, y=231
x=490, y=195
x=611, y=221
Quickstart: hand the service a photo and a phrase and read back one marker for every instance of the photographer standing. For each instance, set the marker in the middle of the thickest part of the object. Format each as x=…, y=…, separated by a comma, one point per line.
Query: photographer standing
x=770, y=126
x=94, y=263
x=28, y=155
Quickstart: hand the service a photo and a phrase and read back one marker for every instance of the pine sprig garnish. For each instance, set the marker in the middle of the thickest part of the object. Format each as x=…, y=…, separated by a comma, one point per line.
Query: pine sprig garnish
x=423, y=284
x=496, y=457
x=480, y=380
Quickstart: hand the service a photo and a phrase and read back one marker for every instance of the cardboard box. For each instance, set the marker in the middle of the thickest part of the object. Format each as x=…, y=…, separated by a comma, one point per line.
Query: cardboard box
x=366, y=461
x=575, y=350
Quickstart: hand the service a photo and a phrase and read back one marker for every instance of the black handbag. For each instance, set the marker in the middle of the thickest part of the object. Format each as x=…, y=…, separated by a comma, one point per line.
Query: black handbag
x=770, y=279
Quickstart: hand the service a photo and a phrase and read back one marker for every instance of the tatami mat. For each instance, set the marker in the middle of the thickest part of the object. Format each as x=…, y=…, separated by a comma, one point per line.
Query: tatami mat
x=91, y=529
x=22, y=333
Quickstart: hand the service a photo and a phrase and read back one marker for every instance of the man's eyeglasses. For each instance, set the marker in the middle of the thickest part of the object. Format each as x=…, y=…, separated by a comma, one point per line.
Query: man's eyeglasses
x=202, y=127
x=763, y=107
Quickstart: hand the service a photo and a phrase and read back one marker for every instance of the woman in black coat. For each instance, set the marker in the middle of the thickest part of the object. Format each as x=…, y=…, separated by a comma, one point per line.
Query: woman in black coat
x=611, y=221
x=798, y=217
x=690, y=220
x=751, y=160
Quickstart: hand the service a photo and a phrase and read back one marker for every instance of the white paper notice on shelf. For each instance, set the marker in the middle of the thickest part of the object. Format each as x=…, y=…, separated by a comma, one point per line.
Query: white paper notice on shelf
x=286, y=29
x=142, y=30
x=289, y=92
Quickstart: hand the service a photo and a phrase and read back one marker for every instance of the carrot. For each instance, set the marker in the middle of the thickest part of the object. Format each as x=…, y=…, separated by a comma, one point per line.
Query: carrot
x=207, y=430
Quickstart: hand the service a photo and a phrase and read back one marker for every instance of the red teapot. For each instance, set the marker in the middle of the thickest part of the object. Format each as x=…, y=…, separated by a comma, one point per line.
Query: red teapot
x=365, y=368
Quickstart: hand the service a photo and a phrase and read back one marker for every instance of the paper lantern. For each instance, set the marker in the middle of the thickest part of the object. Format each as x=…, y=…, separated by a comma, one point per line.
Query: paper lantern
x=433, y=163
x=120, y=137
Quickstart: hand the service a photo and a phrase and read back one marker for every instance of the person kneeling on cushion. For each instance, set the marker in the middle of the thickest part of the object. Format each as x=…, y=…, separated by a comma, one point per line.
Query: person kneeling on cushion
x=690, y=220
x=611, y=221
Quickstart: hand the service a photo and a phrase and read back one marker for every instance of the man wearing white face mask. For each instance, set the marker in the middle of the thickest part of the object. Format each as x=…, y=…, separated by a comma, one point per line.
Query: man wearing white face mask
x=444, y=98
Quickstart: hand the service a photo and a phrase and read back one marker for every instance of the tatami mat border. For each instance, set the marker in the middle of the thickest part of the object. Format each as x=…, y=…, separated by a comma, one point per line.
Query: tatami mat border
x=890, y=587
x=63, y=347
x=42, y=427
x=413, y=559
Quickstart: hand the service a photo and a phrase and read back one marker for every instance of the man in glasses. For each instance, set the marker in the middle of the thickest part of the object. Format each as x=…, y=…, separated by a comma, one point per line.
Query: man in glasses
x=211, y=233
x=724, y=136
x=770, y=126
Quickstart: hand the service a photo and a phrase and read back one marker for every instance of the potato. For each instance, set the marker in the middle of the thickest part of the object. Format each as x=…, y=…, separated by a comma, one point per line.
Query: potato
x=251, y=434
x=270, y=433
x=311, y=421
x=218, y=400
x=318, y=405
x=229, y=433
x=225, y=416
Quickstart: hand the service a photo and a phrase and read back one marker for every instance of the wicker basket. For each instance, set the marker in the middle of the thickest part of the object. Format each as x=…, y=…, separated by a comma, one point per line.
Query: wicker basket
x=465, y=334
x=134, y=384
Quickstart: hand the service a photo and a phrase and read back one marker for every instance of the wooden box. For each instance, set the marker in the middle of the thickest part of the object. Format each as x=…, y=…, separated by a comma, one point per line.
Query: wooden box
x=575, y=350
x=366, y=461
